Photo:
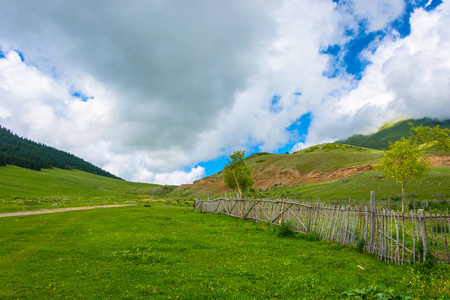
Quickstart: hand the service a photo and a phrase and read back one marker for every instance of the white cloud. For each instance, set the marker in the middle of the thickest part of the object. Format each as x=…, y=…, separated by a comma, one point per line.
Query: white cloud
x=175, y=83
x=407, y=78
x=378, y=13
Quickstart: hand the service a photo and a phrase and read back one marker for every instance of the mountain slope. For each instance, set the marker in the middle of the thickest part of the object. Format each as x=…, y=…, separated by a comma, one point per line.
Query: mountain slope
x=390, y=133
x=321, y=171
x=316, y=164
x=25, y=153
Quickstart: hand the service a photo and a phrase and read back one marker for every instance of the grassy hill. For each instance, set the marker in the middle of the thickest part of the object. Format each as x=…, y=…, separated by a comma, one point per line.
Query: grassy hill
x=317, y=158
x=336, y=170
x=326, y=171
x=15, y=150
x=391, y=132
x=24, y=189
x=316, y=164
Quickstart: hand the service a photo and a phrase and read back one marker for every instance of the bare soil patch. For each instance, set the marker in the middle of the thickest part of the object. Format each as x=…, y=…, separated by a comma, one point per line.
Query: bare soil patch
x=49, y=211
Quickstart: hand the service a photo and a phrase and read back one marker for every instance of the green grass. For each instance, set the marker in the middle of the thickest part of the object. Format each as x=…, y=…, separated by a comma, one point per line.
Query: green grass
x=318, y=158
x=391, y=133
x=168, y=251
x=24, y=189
x=358, y=186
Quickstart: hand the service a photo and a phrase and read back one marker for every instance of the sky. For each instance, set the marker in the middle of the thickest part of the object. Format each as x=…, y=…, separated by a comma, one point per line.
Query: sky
x=163, y=91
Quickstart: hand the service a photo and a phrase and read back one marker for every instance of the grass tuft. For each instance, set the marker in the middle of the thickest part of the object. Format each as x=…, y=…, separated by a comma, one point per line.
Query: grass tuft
x=286, y=229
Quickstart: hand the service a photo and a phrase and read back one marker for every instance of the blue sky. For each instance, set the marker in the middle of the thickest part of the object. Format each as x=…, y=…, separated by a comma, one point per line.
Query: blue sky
x=298, y=130
x=165, y=92
x=344, y=58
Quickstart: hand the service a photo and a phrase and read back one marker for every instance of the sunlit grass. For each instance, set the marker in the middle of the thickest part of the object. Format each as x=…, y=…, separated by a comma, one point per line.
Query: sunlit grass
x=173, y=251
x=24, y=189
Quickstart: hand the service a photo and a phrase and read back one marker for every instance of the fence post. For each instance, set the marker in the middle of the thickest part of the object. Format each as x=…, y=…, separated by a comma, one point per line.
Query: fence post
x=310, y=217
x=372, y=219
x=423, y=232
x=281, y=212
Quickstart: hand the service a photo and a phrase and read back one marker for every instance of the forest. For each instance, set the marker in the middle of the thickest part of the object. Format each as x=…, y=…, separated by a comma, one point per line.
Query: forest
x=22, y=152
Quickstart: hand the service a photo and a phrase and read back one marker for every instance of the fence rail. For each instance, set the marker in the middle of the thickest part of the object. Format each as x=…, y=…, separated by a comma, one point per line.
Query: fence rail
x=390, y=204
x=416, y=236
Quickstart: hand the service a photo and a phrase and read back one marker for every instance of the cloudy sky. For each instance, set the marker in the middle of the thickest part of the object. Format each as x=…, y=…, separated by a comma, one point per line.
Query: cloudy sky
x=162, y=91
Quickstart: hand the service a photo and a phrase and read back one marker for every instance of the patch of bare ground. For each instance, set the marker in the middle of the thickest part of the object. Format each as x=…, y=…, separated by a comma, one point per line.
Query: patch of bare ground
x=55, y=210
x=439, y=161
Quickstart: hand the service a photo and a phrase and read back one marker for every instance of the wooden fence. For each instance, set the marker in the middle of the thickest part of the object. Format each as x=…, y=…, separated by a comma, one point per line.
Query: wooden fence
x=390, y=204
x=395, y=238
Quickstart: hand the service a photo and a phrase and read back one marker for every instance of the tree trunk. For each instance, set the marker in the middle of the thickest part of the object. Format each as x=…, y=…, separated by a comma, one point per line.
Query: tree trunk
x=237, y=184
x=403, y=197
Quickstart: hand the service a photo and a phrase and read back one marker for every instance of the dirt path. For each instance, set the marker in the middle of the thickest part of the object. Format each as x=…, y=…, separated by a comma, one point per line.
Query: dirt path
x=49, y=211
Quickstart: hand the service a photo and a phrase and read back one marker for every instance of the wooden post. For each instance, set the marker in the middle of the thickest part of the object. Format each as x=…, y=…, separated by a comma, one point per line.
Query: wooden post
x=281, y=212
x=423, y=232
x=309, y=218
x=372, y=219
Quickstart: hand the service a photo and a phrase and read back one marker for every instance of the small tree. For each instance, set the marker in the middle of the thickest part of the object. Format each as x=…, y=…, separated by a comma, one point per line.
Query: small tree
x=404, y=160
x=237, y=175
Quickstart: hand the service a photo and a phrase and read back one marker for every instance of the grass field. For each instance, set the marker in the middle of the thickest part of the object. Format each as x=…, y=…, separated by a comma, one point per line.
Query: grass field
x=171, y=251
x=434, y=186
x=24, y=189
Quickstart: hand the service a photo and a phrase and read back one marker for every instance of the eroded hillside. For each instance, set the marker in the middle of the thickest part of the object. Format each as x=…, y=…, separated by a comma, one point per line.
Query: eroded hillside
x=321, y=163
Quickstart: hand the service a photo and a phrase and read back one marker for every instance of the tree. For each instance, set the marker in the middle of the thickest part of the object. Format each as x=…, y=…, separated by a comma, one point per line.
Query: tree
x=404, y=160
x=237, y=175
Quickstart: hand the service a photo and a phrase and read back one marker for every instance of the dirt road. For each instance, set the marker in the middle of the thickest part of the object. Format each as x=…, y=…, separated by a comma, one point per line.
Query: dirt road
x=49, y=211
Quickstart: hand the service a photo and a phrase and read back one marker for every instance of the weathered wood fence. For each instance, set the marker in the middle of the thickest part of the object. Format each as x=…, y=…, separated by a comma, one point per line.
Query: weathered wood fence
x=390, y=204
x=395, y=238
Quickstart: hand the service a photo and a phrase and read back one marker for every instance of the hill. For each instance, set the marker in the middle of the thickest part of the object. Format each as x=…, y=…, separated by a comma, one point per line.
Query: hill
x=327, y=171
x=391, y=132
x=316, y=164
x=15, y=150
x=24, y=189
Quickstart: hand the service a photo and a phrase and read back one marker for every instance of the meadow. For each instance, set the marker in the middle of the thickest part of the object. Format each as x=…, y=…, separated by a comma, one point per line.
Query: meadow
x=23, y=189
x=433, y=187
x=167, y=251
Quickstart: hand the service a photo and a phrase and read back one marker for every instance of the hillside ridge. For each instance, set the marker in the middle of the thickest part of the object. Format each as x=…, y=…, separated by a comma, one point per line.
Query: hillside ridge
x=324, y=162
x=390, y=132
x=25, y=153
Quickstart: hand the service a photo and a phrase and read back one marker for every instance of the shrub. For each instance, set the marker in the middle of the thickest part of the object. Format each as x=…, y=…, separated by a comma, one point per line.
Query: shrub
x=311, y=237
x=430, y=260
x=375, y=292
x=286, y=229
x=395, y=197
x=360, y=245
x=411, y=195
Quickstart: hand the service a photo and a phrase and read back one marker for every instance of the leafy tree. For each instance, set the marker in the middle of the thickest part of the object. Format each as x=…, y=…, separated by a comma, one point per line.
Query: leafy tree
x=237, y=175
x=404, y=160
